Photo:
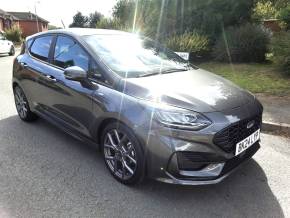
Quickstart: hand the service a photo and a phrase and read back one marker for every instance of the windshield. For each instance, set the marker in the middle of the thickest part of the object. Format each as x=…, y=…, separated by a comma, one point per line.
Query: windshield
x=133, y=56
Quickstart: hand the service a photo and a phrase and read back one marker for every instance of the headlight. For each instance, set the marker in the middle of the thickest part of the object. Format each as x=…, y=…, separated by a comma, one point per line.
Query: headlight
x=181, y=119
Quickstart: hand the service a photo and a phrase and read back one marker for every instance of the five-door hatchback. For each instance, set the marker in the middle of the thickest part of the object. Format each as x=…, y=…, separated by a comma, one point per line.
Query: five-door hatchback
x=151, y=112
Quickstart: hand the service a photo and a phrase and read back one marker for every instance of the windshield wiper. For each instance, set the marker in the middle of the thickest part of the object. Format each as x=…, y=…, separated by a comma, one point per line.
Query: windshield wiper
x=172, y=70
x=162, y=72
x=149, y=74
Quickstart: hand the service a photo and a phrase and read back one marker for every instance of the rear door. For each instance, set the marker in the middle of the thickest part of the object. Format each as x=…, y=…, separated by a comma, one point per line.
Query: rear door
x=35, y=67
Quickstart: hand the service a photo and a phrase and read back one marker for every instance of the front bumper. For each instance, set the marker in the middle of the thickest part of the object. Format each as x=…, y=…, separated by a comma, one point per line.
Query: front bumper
x=211, y=161
x=214, y=175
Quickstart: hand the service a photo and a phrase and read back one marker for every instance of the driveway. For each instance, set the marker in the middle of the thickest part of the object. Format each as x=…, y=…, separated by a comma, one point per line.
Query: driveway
x=46, y=173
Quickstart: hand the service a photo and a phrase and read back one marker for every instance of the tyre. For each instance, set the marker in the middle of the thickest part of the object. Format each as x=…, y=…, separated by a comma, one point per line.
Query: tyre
x=22, y=106
x=12, y=51
x=123, y=154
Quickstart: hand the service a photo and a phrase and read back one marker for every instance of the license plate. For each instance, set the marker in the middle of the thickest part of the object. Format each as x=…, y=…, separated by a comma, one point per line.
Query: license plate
x=247, y=142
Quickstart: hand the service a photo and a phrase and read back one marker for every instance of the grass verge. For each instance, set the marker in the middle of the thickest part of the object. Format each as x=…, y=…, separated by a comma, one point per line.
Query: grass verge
x=257, y=78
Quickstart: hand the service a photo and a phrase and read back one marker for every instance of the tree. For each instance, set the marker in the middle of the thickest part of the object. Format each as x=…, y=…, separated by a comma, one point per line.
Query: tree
x=163, y=18
x=278, y=4
x=79, y=20
x=124, y=11
x=94, y=18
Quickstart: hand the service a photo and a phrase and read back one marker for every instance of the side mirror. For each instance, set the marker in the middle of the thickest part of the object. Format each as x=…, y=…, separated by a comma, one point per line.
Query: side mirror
x=75, y=73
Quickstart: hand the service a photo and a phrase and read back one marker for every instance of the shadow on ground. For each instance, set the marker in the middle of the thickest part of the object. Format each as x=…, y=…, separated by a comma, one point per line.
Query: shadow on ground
x=45, y=172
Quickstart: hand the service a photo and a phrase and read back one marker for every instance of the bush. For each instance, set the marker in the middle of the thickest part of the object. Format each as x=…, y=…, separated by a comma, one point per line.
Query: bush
x=264, y=10
x=108, y=23
x=284, y=16
x=188, y=42
x=14, y=34
x=247, y=43
x=196, y=44
x=280, y=46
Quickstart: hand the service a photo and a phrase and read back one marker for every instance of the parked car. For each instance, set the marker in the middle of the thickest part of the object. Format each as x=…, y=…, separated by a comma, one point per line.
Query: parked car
x=6, y=46
x=151, y=112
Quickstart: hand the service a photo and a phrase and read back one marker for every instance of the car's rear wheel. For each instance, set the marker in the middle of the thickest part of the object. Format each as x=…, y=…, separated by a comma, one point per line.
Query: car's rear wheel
x=123, y=154
x=22, y=105
x=12, y=51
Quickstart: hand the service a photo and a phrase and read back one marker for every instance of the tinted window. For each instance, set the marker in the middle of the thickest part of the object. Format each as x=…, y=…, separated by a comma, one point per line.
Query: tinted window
x=95, y=73
x=68, y=53
x=29, y=42
x=40, y=47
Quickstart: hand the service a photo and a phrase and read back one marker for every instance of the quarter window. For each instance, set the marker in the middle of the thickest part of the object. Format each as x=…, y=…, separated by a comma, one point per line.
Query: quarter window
x=40, y=47
x=68, y=53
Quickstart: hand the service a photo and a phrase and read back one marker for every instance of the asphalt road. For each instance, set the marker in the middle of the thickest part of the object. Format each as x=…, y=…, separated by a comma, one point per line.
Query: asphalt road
x=46, y=173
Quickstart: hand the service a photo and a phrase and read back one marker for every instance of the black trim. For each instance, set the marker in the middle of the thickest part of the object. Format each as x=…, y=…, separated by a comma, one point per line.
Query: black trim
x=41, y=36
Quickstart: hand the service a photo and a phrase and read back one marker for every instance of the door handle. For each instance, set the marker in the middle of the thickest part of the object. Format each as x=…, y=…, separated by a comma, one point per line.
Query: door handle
x=23, y=64
x=51, y=78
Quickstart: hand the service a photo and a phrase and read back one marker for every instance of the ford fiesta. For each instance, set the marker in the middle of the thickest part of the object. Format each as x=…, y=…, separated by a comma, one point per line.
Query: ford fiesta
x=151, y=112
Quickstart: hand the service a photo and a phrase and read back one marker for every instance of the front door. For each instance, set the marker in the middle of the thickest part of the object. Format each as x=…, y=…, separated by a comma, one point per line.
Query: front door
x=70, y=102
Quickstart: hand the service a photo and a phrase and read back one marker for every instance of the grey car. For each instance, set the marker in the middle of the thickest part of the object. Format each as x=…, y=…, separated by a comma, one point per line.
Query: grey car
x=151, y=113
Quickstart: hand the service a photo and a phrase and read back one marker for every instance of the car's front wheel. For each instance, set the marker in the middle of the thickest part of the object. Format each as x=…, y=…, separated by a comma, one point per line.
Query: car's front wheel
x=22, y=105
x=12, y=51
x=123, y=154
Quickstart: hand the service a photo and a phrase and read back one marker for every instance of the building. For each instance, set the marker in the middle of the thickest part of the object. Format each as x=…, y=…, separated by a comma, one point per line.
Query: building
x=6, y=20
x=27, y=21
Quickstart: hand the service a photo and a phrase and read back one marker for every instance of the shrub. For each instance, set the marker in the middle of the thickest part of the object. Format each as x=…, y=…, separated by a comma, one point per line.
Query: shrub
x=196, y=44
x=284, y=15
x=188, y=42
x=264, y=10
x=14, y=34
x=247, y=43
x=280, y=46
x=109, y=23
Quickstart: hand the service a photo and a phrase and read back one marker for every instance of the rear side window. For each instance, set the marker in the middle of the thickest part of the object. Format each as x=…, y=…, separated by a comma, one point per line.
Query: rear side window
x=40, y=47
x=68, y=53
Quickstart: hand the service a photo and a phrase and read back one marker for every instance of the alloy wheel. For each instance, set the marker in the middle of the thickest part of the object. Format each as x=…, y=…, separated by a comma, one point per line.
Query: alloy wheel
x=21, y=103
x=120, y=154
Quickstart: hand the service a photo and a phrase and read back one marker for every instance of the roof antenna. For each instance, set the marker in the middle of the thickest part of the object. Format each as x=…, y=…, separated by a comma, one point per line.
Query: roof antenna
x=62, y=24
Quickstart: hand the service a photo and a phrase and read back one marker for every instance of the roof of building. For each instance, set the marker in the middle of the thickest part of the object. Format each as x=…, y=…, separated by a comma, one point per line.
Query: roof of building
x=27, y=16
x=4, y=14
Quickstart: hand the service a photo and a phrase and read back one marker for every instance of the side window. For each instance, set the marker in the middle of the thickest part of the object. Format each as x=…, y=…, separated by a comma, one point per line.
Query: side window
x=40, y=47
x=95, y=71
x=68, y=53
x=96, y=74
x=29, y=42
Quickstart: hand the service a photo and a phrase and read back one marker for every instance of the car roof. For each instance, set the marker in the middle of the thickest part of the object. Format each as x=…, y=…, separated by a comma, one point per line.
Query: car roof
x=81, y=32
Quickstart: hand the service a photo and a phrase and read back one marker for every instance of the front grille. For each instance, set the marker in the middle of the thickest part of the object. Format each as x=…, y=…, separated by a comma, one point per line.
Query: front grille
x=227, y=138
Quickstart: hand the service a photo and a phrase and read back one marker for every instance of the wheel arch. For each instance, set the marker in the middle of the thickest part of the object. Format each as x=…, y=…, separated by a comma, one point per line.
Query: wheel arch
x=109, y=120
x=14, y=84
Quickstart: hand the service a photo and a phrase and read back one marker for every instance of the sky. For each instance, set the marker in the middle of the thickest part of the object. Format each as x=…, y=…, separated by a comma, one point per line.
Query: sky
x=56, y=10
